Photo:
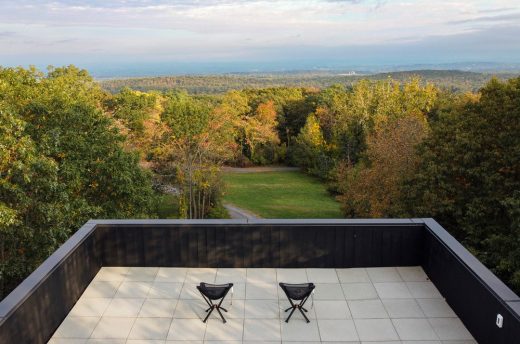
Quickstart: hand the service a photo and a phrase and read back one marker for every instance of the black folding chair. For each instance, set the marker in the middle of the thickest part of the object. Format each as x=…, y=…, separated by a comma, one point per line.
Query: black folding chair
x=297, y=292
x=213, y=292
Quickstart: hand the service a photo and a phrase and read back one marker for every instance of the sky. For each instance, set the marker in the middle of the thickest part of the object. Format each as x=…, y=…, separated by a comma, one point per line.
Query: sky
x=111, y=36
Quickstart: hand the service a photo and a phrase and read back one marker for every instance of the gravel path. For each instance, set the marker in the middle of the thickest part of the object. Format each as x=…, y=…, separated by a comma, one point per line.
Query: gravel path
x=239, y=213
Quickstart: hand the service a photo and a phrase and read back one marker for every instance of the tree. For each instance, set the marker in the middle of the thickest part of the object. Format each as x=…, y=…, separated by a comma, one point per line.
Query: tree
x=310, y=149
x=132, y=108
x=71, y=129
x=260, y=129
x=197, y=142
x=29, y=205
x=294, y=114
x=373, y=187
x=469, y=176
x=137, y=116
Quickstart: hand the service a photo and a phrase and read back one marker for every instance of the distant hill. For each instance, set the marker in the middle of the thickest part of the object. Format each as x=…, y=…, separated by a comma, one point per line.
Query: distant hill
x=455, y=80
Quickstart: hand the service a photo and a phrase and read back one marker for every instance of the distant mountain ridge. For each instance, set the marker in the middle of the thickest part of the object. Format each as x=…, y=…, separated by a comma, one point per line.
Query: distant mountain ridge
x=456, y=80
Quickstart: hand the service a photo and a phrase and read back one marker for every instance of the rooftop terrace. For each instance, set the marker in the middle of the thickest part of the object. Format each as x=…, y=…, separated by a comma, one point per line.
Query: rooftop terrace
x=350, y=305
x=132, y=281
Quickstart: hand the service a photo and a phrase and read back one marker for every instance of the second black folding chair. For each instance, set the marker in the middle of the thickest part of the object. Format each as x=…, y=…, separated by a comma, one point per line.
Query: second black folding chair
x=214, y=292
x=297, y=292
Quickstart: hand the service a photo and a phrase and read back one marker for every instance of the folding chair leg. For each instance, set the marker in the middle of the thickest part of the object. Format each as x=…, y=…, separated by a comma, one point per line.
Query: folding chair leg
x=223, y=319
x=289, y=308
x=207, y=316
x=290, y=315
x=307, y=319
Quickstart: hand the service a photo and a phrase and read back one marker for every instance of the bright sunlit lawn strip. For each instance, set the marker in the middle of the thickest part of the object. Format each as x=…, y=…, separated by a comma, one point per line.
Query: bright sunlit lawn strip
x=280, y=195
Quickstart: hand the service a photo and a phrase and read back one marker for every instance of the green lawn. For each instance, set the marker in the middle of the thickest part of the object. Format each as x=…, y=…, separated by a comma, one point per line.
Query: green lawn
x=280, y=195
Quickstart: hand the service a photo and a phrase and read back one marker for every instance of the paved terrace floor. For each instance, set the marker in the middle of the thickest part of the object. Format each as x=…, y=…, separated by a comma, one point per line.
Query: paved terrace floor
x=161, y=305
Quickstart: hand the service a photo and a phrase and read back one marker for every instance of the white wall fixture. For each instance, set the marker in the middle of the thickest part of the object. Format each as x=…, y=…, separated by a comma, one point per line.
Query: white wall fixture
x=500, y=320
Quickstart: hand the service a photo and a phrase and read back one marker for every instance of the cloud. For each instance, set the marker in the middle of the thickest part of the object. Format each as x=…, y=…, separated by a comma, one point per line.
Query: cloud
x=511, y=17
x=498, y=10
x=64, y=41
x=7, y=34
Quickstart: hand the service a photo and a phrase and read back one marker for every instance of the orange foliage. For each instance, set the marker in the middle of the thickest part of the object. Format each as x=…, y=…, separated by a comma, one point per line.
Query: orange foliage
x=371, y=190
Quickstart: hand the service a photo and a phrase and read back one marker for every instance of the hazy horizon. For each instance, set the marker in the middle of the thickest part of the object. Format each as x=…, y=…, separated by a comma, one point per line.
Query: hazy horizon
x=155, y=37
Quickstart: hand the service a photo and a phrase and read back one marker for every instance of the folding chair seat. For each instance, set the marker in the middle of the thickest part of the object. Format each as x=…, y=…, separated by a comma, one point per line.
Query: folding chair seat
x=297, y=292
x=214, y=292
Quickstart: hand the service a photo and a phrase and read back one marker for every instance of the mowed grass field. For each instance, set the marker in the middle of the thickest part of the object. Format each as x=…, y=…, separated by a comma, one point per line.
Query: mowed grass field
x=288, y=194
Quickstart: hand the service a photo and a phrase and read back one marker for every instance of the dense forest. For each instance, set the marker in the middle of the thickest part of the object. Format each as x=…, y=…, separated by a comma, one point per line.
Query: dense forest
x=386, y=148
x=453, y=80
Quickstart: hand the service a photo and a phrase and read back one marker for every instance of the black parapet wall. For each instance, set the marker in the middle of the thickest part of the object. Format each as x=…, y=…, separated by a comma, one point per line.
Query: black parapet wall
x=472, y=290
x=266, y=243
x=33, y=311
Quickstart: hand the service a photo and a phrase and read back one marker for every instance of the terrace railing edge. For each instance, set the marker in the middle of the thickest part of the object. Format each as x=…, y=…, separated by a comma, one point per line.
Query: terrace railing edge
x=489, y=279
x=471, y=289
x=140, y=222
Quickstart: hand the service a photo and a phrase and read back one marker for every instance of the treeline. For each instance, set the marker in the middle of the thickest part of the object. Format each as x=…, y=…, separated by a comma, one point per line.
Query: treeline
x=385, y=148
x=454, y=80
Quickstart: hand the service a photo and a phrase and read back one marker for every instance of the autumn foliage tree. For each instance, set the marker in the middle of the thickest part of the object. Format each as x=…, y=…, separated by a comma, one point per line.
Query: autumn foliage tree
x=196, y=143
x=372, y=188
x=260, y=129
x=137, y=116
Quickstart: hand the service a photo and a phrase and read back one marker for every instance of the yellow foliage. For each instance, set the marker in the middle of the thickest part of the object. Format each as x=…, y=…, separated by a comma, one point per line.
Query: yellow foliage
x=311, y=132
